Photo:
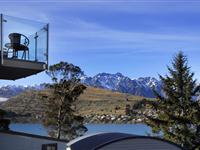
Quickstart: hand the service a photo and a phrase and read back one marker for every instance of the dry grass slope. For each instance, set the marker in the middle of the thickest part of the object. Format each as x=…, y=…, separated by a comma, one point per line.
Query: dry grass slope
x=100, y=101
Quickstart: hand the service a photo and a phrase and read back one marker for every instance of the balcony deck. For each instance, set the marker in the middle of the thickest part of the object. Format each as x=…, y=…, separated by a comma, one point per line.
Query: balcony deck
x=13, y=69
x=24, y=46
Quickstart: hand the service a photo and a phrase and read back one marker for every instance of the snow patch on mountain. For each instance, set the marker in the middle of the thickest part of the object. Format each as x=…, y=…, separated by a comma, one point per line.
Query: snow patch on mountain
x=3, y=99
x=8, y=91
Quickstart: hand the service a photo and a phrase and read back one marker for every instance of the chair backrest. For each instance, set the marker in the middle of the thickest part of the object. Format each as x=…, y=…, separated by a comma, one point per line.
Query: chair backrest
x=15, y=38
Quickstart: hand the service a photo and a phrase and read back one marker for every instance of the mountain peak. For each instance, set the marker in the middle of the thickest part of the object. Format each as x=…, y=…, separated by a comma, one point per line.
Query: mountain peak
x=119, y=74
x=118, y=82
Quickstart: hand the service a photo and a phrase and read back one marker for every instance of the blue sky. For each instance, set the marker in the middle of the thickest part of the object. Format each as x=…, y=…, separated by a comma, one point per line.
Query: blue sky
x=136, y=38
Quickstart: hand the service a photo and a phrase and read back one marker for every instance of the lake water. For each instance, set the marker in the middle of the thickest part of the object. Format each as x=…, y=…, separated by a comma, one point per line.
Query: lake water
x=137, y=129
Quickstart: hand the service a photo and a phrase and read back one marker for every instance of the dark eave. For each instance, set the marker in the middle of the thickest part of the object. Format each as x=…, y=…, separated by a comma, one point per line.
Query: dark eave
x=31, y=135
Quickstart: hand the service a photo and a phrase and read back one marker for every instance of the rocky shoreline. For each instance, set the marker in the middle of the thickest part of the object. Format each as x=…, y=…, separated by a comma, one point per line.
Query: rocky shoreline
x=137, y=117
x=109, y=119
x=92, y=118
x=134, y=117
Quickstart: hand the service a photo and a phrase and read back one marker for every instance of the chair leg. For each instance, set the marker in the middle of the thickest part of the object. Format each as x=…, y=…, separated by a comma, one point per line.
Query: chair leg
x=14, y=54
x=28, y=55
x=24, y=55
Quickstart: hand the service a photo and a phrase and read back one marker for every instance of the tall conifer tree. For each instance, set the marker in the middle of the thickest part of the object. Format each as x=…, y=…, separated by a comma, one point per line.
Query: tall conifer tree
x=176, y=113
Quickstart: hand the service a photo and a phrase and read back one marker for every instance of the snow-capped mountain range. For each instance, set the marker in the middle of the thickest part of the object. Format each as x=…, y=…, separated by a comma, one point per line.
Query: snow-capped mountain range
x=117, y=82
x=8, y=91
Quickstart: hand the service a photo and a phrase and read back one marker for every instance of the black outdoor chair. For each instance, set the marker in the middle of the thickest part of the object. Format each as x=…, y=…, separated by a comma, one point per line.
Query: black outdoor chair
x=18, y=42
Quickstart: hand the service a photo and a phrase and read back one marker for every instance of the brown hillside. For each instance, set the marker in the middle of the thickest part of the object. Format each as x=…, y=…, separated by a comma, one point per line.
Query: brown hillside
x=100, y=101
x=92, y=101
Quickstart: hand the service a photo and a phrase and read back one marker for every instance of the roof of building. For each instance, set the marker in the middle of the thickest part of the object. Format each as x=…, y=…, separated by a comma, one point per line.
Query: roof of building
x=94, y=141
x=31, y=135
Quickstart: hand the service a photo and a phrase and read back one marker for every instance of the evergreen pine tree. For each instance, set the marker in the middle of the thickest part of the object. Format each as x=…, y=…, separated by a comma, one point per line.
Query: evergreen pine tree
x=176, y=113
x=4, y=123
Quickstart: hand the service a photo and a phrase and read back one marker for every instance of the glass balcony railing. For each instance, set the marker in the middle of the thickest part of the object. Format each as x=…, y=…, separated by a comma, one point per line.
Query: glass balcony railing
x=23, y=39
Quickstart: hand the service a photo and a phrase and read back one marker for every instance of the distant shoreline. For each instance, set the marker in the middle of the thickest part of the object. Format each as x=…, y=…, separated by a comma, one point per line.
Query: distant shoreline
x=90, y=119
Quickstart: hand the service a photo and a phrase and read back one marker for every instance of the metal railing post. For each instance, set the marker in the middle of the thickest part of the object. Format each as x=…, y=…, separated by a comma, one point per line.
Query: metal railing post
x=36, y=37
x=1, y=37
x=47, y=51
